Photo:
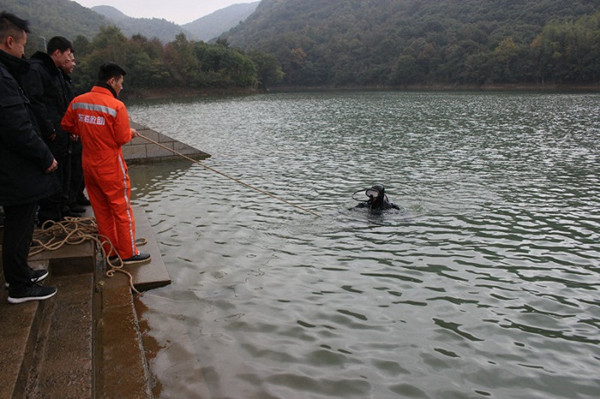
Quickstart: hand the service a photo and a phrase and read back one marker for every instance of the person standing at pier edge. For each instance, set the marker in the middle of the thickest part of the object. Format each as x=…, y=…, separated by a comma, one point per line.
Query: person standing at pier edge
x=25, y=166
x=101, y=121
x=45, y=86
x=76, y=197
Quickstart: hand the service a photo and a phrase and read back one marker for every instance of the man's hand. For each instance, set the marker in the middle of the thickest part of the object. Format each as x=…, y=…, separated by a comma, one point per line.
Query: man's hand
x=134, y=133
x=52, y=167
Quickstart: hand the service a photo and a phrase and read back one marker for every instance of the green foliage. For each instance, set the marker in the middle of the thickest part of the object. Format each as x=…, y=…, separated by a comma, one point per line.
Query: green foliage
x=403, y=42
x=178, y=64
x=182, y=63
x=227, y=67
x=268, y=69
x=568, y=51
x=50, y=18
x=344, y=43
x=149, y=64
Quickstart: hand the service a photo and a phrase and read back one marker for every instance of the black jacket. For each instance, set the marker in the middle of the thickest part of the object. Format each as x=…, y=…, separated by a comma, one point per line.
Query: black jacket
x=70, y=92
x=45, y=86
x=23, y=155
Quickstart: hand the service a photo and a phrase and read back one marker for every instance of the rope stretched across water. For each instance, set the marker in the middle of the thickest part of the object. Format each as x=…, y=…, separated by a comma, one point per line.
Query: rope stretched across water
x=227, y=176
x=73, y=231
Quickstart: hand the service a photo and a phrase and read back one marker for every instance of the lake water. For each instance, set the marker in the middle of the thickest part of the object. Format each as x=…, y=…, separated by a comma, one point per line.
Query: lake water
x=486, y=284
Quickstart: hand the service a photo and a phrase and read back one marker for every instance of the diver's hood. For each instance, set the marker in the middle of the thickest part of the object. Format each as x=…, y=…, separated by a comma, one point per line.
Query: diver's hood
x=376, y=192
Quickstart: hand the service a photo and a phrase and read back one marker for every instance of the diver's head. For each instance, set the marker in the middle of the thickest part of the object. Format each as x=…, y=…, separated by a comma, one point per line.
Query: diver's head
x=376, y=195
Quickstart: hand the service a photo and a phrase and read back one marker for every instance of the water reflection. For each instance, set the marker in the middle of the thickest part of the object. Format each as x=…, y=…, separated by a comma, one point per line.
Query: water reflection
x=485, y=285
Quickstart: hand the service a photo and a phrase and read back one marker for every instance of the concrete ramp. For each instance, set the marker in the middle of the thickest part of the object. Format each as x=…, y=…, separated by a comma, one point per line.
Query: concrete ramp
x=85, y=342
x=140, y=150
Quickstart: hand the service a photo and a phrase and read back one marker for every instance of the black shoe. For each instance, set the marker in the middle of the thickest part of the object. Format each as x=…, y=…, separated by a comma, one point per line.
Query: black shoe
x=70, y=213
x=44, y=219
x=31, y=292
x=36, y=276
x=83, y=201
x=77, y=208
x=138, y=259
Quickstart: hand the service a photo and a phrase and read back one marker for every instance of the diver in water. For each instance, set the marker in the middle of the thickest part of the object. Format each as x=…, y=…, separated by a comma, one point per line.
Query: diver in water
x=378, y=200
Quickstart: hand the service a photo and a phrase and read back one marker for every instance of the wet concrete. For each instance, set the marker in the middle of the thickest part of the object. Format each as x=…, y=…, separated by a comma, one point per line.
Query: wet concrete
x=84, y=342
x=17, y=328
x=124, y=372
x=140, y=150
x=63, y=356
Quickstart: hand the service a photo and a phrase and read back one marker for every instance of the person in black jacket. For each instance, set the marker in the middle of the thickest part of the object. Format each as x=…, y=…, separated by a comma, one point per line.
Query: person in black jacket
x=76, y=196
x=45, y=86
x=25, y=166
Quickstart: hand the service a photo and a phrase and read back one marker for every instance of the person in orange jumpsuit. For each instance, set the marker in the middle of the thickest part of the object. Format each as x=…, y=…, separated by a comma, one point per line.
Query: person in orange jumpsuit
x=100, y=119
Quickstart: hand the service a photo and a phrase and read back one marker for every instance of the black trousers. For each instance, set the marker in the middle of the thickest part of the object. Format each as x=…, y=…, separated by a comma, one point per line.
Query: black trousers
x=18, y=231
x=76, y=187
x=52, y=207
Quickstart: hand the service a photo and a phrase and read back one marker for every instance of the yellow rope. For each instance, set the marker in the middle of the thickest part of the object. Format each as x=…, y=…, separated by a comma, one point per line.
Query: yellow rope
x=227, y=176
x=76, y=230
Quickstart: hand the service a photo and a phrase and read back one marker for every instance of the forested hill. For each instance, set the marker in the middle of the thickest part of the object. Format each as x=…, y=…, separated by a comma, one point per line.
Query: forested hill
x=178, y=66
x=67, y=18
x=162, y=29
x=50, y=18
x=403, y=42
x=212, y=25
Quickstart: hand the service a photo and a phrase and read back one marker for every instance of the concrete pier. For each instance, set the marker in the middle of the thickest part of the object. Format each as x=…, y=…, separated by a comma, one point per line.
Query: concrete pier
x=140, y=150
x=84, y=342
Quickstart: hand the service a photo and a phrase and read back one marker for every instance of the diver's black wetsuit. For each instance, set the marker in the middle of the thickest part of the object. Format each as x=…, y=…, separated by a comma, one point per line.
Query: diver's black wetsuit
x=378, y=201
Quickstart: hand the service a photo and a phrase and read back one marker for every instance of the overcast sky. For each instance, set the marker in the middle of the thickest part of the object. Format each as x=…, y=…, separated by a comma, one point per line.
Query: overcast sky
x=178, y=11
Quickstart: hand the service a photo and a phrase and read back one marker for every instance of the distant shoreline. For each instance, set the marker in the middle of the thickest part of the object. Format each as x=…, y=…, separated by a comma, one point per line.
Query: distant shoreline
x=183, y=92
x=451, y=87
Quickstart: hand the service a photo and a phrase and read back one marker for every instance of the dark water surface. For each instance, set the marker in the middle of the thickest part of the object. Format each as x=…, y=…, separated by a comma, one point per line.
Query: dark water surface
x=485, y=285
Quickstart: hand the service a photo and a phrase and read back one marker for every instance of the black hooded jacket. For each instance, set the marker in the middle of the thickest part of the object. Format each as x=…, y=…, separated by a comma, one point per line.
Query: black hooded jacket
x=47, y=91
x=24, y=157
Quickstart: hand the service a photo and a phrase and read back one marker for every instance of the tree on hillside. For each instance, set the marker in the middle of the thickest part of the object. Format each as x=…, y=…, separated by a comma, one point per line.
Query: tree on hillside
x=178, y=64
x=403, y=42
x=182, y=62
x=569, y=51
x=269, y=72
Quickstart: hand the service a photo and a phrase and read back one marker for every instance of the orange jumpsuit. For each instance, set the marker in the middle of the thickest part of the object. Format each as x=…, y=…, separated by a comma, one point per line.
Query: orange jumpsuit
x=102, y=123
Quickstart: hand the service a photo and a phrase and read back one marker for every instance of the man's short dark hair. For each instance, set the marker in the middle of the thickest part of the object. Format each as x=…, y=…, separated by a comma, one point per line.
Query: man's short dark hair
x=110, y=70
x=11, y=25
x=58, y=43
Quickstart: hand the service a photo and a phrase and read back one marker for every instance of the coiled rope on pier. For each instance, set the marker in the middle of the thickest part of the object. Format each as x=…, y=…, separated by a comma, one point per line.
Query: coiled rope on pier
x=76, y=230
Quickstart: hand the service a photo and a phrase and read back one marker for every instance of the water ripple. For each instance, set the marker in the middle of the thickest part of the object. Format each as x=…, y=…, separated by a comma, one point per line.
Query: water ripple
x=485, y=284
